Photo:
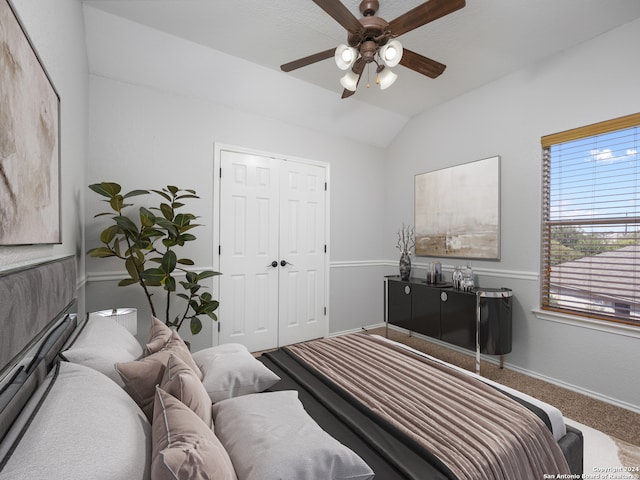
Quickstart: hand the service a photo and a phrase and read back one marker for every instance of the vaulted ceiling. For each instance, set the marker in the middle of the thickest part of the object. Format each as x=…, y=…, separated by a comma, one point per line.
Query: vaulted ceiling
x=483, y=41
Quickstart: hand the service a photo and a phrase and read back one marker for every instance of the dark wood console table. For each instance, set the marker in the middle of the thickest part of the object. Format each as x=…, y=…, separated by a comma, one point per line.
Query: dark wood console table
x=453, y=316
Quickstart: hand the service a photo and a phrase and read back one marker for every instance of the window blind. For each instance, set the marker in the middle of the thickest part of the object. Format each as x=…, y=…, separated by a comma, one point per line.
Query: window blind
x=591, y=221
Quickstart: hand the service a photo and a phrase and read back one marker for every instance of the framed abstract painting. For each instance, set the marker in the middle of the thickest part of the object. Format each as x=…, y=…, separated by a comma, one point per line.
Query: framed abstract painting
x=29, y=140
x=457, y=211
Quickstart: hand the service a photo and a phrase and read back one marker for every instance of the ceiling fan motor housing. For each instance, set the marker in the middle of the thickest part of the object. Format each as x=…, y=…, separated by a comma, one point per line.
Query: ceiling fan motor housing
x=368, y=50
x=376, y=29
x=369, y=7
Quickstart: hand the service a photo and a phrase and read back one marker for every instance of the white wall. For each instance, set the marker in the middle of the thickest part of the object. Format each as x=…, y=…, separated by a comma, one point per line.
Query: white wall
x=150, y=126
x=57, y=32
x=593, y=82
x=146, y=134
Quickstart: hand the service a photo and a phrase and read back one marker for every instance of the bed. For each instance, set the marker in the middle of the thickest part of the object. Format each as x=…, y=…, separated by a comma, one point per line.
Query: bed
x=82, y=398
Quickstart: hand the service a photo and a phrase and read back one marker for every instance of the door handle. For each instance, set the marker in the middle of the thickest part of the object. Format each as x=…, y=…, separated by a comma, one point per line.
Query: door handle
x=273, y=264
x=284, y=263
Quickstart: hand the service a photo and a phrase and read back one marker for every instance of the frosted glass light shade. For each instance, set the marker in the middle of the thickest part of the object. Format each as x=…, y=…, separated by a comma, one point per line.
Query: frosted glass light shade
x=345, y=56
x=391, y=53
x=386, y=78
x=350, y=80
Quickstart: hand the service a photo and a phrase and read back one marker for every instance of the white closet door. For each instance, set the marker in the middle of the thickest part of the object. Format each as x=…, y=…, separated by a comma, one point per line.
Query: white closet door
x=271, y=210
x=249, y=232
x=302, y=248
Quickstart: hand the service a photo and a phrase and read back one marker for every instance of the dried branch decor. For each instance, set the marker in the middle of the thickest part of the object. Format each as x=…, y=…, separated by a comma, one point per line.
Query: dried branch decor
x=406, y=239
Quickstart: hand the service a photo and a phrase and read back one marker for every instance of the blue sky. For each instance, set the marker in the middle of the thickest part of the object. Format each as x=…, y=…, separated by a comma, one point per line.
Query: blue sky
x=599, y=177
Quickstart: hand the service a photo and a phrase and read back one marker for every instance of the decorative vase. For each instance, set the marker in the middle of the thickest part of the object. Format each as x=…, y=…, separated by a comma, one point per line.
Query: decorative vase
x=405, y=266
x=457, y=277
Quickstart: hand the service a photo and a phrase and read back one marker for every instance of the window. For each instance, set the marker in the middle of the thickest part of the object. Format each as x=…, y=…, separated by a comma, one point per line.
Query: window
x=591, y=221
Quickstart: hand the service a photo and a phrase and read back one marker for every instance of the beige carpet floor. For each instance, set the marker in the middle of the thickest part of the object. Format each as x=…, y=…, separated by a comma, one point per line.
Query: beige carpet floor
x=618, y=422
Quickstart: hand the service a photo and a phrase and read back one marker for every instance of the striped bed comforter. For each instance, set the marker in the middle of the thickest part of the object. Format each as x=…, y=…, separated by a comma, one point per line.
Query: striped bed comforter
x=476, y=431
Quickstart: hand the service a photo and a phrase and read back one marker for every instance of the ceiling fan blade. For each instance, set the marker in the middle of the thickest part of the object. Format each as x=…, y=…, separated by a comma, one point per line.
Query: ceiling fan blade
x=423, y=14
x=341, y=14
x=421, y=64
x=303, y=62
x=347, y=93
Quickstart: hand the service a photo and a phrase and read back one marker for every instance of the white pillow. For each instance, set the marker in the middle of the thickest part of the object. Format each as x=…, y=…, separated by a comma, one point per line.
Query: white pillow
x=101, y=344
x=101, y=359
x=270, y=436
x=102, y=332
x=87, y=427
x=229, y=370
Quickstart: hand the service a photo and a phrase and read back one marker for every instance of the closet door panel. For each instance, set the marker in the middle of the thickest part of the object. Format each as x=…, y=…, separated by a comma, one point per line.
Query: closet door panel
x=249, y=236
x=302, y=253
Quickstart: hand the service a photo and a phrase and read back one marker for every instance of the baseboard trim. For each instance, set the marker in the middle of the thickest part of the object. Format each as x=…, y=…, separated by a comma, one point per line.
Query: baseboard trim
x=353, y=330
x=494, y=360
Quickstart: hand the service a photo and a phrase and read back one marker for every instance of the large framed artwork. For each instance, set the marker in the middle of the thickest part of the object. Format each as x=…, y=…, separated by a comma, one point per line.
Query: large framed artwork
x=457, y=211
x=29, y=140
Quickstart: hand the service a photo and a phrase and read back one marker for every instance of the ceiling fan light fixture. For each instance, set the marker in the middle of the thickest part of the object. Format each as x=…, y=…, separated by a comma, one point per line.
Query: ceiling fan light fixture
x=386, y=78
x=350, y=80
x=345, y=56
x=375, y=41
x=391, y=53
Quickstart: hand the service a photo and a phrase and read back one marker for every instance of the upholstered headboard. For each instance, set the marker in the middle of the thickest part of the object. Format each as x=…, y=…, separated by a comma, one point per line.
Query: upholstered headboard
x=31, y=297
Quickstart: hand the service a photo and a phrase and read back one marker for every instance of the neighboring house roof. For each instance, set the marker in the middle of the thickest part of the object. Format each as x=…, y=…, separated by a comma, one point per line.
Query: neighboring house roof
x=587, y=277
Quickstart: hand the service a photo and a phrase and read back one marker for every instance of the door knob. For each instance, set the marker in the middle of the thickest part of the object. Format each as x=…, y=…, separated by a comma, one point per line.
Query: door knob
x=273, y=264
x=284, y=263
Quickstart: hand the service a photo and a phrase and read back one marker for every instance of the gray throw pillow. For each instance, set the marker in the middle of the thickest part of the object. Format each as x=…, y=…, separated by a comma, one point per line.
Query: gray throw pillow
x=87, y=428
x=270, y=436
x=102, y=343
x=229, y=370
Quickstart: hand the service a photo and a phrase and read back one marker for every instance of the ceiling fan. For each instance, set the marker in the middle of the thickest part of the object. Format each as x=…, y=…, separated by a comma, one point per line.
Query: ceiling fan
x=371, y=39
